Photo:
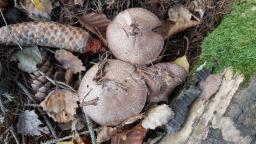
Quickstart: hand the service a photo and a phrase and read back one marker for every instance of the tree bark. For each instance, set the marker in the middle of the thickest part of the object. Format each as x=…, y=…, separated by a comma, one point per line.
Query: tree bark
x=227, y=117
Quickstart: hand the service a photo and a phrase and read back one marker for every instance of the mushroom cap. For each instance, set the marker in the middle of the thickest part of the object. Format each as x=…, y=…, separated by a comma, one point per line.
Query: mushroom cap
x=162, y=78
x=131, y=37
x=121, y=92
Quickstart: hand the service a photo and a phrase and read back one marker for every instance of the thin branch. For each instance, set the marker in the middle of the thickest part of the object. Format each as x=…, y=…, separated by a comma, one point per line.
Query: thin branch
x=89, y=126
x=14, y=135
x=12, y=35
x=67, y=137
x=29, y=95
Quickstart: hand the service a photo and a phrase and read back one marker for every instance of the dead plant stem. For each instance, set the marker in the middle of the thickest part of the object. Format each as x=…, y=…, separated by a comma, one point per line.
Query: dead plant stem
x=29, y=95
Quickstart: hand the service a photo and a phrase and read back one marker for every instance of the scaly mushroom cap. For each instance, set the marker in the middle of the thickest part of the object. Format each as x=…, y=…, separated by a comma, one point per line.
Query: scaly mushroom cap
x=162, y=78
x=121, y=92
x=131, y=37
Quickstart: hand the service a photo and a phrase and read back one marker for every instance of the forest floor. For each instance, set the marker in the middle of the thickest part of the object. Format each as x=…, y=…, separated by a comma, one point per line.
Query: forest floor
x=225, y=37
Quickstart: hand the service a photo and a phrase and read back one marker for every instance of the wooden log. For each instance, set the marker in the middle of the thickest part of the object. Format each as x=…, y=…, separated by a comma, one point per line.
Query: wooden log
x=228, y=117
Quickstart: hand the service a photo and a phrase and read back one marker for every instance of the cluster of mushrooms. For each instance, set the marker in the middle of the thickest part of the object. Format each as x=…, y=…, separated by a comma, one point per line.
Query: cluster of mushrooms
x=123, y=86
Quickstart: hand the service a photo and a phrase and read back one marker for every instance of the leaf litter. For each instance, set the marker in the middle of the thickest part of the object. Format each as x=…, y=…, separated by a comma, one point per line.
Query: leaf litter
x=62, y=104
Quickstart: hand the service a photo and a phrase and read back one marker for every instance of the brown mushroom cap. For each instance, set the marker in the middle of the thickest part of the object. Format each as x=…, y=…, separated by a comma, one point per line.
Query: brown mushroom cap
x=131, y=37
x=162, y=78
x=121, y=92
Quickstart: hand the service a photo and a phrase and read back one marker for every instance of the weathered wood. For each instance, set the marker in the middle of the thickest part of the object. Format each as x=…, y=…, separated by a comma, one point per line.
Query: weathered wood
x=228, y=117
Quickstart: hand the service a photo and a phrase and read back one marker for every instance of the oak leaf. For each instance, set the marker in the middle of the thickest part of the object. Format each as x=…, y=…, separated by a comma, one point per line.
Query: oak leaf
x=61, y=104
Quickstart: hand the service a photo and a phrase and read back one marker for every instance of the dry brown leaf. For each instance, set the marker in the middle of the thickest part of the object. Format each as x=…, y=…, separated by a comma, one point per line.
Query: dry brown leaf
x=105, y=134
x=179, y=20
x=81, y=140
x=4, y=3
x=95, y=20
x=61, y=105
x=69, y=61
x=68, y=76
x=95, y=23
x=133, y=136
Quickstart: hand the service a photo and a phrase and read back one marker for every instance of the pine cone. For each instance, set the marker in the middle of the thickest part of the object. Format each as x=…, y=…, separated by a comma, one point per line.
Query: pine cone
x=48, y=34
x=39, y=83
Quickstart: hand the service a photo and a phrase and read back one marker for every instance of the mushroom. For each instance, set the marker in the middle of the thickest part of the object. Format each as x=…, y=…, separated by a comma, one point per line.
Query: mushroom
x=131, y=37
x=162, y=78
x=118, y=92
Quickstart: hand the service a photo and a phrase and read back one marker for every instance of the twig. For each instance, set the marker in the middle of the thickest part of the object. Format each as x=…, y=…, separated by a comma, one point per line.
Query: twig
x=14, y=135
x=25, y=90
x=2, y=108
x=67, y=137
x=13, y=35
x=61, y=84
x=89, y=126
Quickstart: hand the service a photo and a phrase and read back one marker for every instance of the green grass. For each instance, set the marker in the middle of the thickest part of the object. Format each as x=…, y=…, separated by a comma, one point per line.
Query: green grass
x=233, y=42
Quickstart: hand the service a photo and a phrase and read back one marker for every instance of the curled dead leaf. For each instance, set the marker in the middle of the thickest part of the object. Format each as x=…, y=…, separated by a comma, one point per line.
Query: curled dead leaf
x=179, y=20
x=69, y=61
x=133, y=136
x=96, y=24
x=4, y=3
x=61, y=105
x=105, y=134
x=157, y=116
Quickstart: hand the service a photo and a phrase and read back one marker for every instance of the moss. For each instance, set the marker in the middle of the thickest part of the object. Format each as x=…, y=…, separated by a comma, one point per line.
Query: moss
x=233, y=42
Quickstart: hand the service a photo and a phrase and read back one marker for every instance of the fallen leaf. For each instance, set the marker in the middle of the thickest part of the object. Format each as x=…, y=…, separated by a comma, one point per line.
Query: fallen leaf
x=179, y=14
x=61, y=105
x=199, y=6
x=182, y=61
x=210, y=86
x=157, y=117
x=29, y=124
x=105, y=134
x=133, y=136
x=80, y=139
x=95, y=20
x=179, y=20
x=4, y=3
x=95, y=23
x=28, y=59
x=66, y=142
x=69, y=61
